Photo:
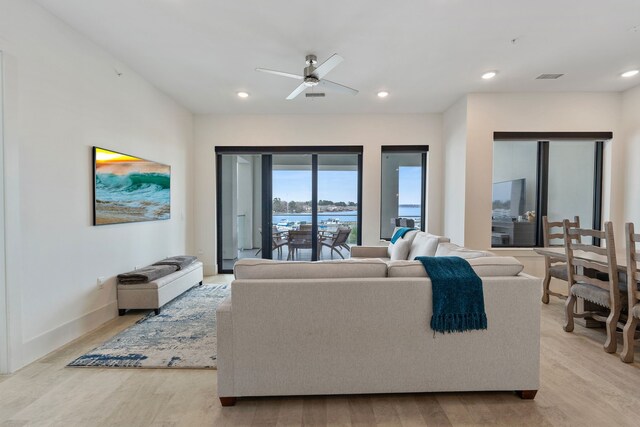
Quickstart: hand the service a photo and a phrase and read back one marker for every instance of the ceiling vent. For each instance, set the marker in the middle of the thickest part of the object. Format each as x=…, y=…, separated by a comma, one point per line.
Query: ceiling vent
x=549, y=76
x=314, y=95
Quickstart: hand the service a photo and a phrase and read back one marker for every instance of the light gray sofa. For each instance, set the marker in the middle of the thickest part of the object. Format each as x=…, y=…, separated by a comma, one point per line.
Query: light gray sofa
x=362, y=326
x=153, y=295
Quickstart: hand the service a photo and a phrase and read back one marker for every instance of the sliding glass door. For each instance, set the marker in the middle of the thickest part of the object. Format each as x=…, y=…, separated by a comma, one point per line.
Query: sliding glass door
x=291, y=208
x=338, y=204
x=287, y=203
x=240, y=203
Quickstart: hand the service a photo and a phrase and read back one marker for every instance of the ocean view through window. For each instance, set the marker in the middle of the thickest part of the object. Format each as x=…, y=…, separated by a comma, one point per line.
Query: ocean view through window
x=403, y=174
x=287, y=203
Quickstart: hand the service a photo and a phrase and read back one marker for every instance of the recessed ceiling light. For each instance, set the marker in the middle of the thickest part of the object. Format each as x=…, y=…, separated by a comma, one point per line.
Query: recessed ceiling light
x=383, y=94
x=243, y=94
x=489, y=75
x=630, y=73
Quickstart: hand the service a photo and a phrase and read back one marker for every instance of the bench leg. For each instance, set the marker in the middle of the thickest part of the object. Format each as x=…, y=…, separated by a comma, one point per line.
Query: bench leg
x=228, y=401
x=527, y=394
x=200, y=284
x=122, y=311
x=156, y=311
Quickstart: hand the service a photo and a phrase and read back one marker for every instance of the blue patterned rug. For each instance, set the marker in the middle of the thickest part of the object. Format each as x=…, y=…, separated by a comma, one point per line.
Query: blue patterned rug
x=183, y=335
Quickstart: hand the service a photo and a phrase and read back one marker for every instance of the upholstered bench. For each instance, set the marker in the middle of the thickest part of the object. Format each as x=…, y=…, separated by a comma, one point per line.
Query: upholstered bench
x=154, y=294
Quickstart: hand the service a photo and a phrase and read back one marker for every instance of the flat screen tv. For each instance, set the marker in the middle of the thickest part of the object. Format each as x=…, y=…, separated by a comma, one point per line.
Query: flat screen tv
x=129, y=189
x=508, y=198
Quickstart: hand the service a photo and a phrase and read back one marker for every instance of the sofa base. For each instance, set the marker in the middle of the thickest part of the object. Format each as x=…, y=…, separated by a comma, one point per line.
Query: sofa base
x=523, y=394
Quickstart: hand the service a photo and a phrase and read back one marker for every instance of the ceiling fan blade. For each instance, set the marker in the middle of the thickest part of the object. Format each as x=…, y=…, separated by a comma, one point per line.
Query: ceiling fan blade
x=328, y=65
x=297, y=91
x=328, y=84
x=280, y=73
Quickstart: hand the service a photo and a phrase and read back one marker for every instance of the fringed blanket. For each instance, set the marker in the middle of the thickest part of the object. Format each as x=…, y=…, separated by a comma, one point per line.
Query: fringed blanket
x=458, y=300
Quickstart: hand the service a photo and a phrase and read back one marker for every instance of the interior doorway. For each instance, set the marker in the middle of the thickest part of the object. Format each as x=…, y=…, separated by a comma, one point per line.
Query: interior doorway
x=287, y=203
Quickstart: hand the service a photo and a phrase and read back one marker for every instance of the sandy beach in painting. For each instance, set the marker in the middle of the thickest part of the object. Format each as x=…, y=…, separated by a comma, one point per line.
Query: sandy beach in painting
x=129, y=189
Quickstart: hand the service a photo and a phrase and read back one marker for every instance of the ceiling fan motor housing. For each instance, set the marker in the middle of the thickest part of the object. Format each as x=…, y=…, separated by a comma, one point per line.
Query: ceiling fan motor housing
x=311, y=81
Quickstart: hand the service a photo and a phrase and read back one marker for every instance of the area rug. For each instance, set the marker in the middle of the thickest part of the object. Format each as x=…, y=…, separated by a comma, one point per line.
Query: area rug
x=183, y=335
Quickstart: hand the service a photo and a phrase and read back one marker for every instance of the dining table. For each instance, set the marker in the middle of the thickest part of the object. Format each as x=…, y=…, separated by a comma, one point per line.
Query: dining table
x=560, y=254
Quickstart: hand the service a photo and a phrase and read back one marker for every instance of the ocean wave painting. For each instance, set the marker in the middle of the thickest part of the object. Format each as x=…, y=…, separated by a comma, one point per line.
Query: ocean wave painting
x=130, y=189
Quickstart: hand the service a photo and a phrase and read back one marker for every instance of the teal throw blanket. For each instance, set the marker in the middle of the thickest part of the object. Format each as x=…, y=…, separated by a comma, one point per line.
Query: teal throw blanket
x=400, y=232
x=458, y=300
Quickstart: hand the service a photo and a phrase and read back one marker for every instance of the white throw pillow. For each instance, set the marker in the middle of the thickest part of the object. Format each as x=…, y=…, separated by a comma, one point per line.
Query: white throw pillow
x=400, y=249
x=423, y=245
x=409, y=235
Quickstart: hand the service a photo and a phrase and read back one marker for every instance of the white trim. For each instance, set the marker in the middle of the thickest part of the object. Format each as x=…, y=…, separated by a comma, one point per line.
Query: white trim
x=4, y=307
x=57, y=337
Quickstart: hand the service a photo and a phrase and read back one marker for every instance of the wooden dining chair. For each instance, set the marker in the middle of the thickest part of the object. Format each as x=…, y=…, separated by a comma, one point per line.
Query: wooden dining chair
x=604, y=293
x=633, y=294
x=554, y=267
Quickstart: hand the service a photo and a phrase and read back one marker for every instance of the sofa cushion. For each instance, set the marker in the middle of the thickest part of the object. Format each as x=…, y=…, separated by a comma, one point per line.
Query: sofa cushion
x=451, y=249
x=483, y=266
x=400, y=249
x=336, y=269
x=409, y=236
x=424, y=244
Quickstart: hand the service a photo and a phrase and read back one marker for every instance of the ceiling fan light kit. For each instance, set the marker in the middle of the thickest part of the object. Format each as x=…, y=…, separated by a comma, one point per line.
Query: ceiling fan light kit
x=314, y=76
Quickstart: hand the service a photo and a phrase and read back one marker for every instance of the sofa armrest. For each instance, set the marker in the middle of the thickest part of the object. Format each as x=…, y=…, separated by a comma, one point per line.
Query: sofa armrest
x=369, y=252
x=224, y=360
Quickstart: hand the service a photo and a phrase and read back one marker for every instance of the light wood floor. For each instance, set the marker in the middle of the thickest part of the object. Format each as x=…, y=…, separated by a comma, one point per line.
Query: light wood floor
x=581, y=385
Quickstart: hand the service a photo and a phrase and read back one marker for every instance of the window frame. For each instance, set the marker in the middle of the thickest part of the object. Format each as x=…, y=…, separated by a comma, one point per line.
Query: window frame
x=542, y=176
x=423, y=150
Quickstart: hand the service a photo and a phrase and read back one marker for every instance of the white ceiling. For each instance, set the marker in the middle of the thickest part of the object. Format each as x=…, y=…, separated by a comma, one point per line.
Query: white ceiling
x=426, y=53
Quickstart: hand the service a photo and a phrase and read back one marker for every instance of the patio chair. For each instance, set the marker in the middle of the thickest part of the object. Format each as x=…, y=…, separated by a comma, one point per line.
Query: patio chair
x=278, y=240
x=335, y=241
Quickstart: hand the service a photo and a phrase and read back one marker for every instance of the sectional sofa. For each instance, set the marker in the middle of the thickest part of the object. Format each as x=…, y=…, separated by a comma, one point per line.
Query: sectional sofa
x=362, y=326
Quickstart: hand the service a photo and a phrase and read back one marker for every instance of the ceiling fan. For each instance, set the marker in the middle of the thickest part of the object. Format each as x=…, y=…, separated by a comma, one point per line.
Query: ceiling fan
x=314, y=76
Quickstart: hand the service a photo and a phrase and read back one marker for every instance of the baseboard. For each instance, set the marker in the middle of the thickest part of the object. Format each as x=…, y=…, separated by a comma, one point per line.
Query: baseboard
x=210, y=269
x=49, y=341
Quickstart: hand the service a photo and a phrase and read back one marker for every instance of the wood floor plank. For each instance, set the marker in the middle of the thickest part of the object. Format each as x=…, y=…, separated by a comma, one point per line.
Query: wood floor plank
x=580, y=385
x=314, y=411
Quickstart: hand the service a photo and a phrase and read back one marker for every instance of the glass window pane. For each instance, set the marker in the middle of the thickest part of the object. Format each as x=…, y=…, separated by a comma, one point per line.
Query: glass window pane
x=571, y=180
x=401, y=193
x=291, y=215
x=241, y=187
x=514, y=193
x=337, y=204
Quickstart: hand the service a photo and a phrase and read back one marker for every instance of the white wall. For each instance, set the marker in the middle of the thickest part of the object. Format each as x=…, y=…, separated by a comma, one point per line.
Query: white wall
x=533, y=112
x=454, y=131
x=370, y=131
x=631, y=124
x=63, y=96
x=4, y=354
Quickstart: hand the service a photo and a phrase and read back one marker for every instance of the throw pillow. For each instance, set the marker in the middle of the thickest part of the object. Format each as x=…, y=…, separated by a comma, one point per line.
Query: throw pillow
x=410, y=235
x=400, y=249
x=423, y=245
